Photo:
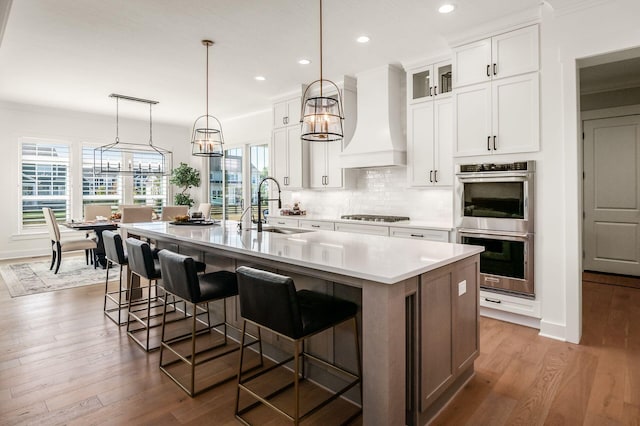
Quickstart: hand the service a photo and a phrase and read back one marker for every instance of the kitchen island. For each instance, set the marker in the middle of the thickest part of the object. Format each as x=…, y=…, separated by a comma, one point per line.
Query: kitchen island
x=419, y=304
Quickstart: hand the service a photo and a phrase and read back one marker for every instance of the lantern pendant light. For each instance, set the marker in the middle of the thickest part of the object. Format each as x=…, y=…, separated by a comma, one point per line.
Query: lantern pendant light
x=321, y=116
x=207, y=141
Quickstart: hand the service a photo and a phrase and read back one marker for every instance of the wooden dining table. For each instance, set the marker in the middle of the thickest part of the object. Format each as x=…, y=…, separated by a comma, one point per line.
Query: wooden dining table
x=97, y=226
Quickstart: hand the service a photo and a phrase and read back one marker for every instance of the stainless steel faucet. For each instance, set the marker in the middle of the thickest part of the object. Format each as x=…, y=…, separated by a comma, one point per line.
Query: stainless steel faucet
x=260, y=200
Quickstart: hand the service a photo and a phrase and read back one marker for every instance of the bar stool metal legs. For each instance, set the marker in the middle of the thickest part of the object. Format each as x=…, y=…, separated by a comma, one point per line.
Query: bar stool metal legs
x=115, y=299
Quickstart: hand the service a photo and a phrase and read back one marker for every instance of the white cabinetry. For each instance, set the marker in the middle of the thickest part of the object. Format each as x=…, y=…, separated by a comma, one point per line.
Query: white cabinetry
x=420, y=233
x=362, y=229
x=505, y=55
x=324, y=165
x=499, y=117
x=290, y=158
x=287, y=112
x=429, y=82
x=497, y=94
x=281, y=221
x=317, y=224
x=430, y=143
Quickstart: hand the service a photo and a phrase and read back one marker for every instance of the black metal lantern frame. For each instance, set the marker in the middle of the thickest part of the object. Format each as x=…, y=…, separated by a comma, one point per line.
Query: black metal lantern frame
x=119, y=157
x=207, y=141
x=321, y=116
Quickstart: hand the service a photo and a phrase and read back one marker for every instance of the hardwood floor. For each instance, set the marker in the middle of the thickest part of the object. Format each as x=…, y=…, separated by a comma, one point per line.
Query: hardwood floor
x=63, y=362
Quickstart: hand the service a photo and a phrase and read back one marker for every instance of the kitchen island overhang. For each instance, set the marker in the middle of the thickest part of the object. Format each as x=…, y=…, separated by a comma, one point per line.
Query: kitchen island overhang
x=409, y=292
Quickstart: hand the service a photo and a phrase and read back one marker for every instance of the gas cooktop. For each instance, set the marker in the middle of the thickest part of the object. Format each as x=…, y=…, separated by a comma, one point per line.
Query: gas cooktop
x=374, y=218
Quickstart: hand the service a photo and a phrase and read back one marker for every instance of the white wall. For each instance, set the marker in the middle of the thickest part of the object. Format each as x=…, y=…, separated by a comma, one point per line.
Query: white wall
x=595, y=29
x=20, y=121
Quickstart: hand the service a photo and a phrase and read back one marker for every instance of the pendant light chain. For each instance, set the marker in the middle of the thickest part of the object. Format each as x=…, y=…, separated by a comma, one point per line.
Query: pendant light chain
x=321, y=48
x=207, y=79
x=117, y=120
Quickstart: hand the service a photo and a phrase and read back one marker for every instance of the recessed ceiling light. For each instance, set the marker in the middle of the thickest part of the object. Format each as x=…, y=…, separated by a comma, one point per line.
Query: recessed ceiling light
x=363, y=39
x=446, y=8
x=260, y=78
x=304, y=62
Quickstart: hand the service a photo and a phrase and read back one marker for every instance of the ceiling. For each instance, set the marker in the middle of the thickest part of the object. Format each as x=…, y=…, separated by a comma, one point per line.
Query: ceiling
x=72, y=54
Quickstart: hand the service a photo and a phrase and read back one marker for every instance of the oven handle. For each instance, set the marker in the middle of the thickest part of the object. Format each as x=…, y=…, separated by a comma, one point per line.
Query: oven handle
x=477, y=178
x=492, y=235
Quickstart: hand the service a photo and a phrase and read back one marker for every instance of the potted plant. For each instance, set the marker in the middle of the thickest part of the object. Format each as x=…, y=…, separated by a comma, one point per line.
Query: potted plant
x=185, y=177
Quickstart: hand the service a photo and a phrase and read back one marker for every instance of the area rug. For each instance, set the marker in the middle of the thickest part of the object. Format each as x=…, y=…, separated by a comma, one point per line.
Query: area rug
x=35, y=277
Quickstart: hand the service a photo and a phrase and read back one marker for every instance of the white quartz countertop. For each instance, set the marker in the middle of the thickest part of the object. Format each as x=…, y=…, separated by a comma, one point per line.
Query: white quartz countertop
x=402, y=224
x=369, y=257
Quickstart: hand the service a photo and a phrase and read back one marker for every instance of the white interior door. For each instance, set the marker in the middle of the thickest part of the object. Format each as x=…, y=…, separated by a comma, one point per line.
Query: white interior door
x=612, y=195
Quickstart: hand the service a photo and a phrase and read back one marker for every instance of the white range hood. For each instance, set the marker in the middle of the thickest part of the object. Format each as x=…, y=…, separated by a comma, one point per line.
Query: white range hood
x=378, y=140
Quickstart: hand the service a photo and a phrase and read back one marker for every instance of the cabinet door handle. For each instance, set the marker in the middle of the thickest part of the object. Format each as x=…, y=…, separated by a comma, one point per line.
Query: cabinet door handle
x=494, y=143
x=430, y=91
x=488, y=71
x=435, y=90
x=315, y=226
x=286, y=180
x=281, y=223
x=492, y=300
x=430, y=175
x=417, y=235
x=488, y=143
x=435, y=176
x=495, y=69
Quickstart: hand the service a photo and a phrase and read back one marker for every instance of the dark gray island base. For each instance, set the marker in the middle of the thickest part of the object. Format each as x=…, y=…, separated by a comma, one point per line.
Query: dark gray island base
x=418, y=303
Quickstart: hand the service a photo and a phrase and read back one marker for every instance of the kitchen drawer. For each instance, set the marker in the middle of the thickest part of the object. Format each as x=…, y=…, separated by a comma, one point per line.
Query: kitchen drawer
x=420, y=233
x=282, y=221
x=317, y=224
x=516, y=305
x=363, y=229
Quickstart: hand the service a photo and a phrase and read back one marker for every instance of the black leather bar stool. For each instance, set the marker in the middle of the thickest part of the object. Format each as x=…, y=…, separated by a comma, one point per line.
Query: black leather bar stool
x=142, y=263
x=271, y=301
x=179, y=278
x=115, y=255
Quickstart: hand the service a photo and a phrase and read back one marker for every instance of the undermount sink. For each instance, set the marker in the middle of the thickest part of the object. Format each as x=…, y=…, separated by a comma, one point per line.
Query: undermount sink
x=287, y=231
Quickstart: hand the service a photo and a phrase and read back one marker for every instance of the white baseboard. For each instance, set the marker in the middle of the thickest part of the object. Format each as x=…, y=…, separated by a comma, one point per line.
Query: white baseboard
x=19, y=254
x=553, y=330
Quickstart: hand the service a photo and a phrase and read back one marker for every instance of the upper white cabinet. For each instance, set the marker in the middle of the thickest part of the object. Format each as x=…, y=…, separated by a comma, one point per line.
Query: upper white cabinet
x=290, y=158
x=430, y=143
x=497, y=94
x=429, y=82
x=430, y=125
x=501, y=117
x=324, y=165
x=504, y=55
x=287, y=112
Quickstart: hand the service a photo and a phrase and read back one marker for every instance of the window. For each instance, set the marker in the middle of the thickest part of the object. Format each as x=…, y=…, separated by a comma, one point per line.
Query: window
x=45, y=181
x=227, y=188
x=150, y=190
x=100, y=189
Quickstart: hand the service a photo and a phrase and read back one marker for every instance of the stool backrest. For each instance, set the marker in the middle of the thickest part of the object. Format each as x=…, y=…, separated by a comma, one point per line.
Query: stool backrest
x=140, y=258
x=113, y=247
x=179, y=275
x=269, y=300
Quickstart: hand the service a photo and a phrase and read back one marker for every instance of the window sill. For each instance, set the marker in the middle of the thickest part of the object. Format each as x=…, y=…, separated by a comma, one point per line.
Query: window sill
x=37, y=234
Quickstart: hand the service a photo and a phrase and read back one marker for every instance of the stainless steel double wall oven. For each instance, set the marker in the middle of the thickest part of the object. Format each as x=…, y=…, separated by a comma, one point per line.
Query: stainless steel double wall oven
x=496, y=203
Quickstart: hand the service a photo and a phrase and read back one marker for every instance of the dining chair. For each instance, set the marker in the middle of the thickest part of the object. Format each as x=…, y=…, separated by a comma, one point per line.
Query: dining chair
x=92, y=211
x=58, y=246
x=170, y=212
x=136, y=214
x=205, y=208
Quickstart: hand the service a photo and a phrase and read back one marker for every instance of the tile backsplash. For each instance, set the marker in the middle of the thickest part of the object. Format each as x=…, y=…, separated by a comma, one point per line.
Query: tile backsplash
x=381, y=191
